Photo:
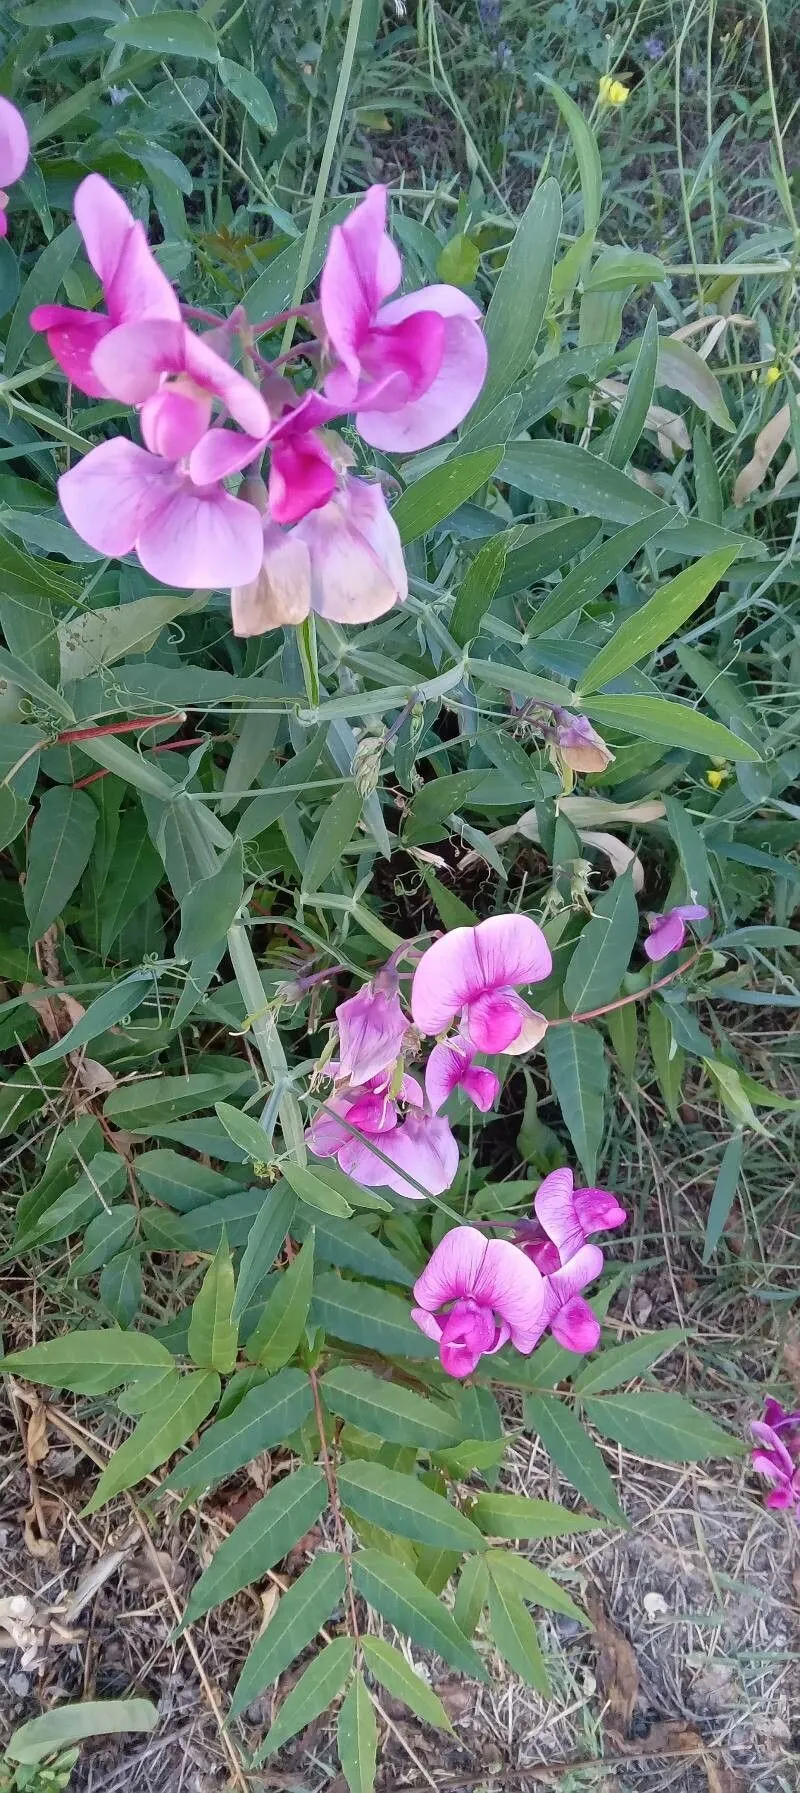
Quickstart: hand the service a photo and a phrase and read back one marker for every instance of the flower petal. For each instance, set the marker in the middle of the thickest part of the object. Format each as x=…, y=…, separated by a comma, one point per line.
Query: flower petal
x=451, y=1066
x=222, y=452
x=453, y=1270
x=361, y=268
x=667, y=934
x=575, y=1326
x=111, y=493
x=105, y=223
x=554, y=1207
x=174, y=421
x=598, y=1209
x=582, y=1268
x=72, y=337
x=14, y=143
x=203, y=540
x=512, y=950
x=350, y=584
x=427, y=1323
x=494, y=1021
x=425, y=420
x=467, y=1332
x=508, y=1282
x=447, y=977
x=533, y=1028
x=691, y=912
x=372, y=1027
x=281, y=593
x=302, y=478
x=426, y=1149
x=138, y=289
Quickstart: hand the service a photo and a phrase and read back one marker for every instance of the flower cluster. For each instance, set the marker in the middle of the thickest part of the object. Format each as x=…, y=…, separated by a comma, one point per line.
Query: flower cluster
x=314, y=537
x=776, y=1456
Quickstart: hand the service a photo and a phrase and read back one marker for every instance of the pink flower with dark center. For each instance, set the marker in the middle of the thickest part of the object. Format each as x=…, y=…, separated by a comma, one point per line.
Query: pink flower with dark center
x=474, y=973
x=343, y=562
x=668, y=932
x=303, y=474
x=373, y=1113
x=452, y=1066
x=134, y=288
x=14, y=152
x=372, y=1028
x=565, y=1216
x=474, y=1295
x=411, y=369
x=773, y=1459
x=568, y=1316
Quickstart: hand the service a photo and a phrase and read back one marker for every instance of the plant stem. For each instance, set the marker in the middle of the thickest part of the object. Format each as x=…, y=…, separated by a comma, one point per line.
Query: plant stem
x=333, y=1493
x=267, y=1038
x=622, y=1001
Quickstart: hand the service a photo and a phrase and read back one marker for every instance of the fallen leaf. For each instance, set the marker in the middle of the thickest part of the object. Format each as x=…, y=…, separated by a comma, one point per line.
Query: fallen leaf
x=767, y=443
x=269, y=1597
x=37, y=1542
x=667, y=1737
x=722, y=1779
x=617, y=1667
x=19, y=1623
x=37, y=1444
x=92, y=1580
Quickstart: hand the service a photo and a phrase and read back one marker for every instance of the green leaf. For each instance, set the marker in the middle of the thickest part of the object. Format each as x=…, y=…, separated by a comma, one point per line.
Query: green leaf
x=592, y=576
x=250, y=92
x=514, y=1516
x=472, y=1594
x=288, y=783
x=88, y=1362
x=477, y=589
x=209, y=908
x=58, y=851
x=261, y=1539
x=30, y=631
x=663, y=1426
x=121, y=1286
x=396, y=1593
x=437, y=494
x=302, y=1610
x=104, y=1237
x=264, y=1241
x=513, y=1631
x=145, y=1106
x=722, y=1200
x=180, y=1181
x=318, y=1686
x=391, y=1669
x=357, y=1737
x=406, y=1507
x=393, y=1412
x=565, y=474
x=373, y=1319
x=268, y=1415
x=572, y=1450
x=95, y=638
x=623, y=1362
x=181, y=1408
x=334, y=832
x=283, y=1322
x=351, y=1247
x=631, y=418
x=169, y=34
x=66, y=1725
x=135, y=872
x=459, y=261
x=578, y=1069
x=668, y=1057
x=213, y=1334
x=41, y=286
x=104, y=1012
x=708, y=491
x=517, y=306
x=245, y=1132
x=600, y=960
x=545, y=548
x=587, y=154
x=657, y=620
x=674, y=724
x=681, y=368
x=315, y=1191
x=617, y=268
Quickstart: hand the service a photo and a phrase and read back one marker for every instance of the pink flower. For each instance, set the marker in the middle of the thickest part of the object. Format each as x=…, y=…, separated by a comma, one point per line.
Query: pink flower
x=14, y=152
x=134, y=287
x=343, y=561
x=452, y=1066
x=372, y=1028
x=144, y=363
x=668, y=932
x=579, y=745
x=370, y=1109
x=474, y=973
x=786, y=1424
x=773, y=1459
x=411, y=369
x=424, y=1148
x=476, y=1294
x=568, y=1316
x=120, y=498
x=564, y=1218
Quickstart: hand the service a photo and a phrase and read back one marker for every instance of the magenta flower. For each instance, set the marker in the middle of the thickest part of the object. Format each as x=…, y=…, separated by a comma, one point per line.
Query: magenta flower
x=775, y=1460
x=565, y=1216
x=344, y=562
x=14, y=152
x=452, y=1066
x=412, y=369
x=145, y=363
x=568, y=1316
x=474, y=973
x=668, y=932
x=372, y=1028
x=580, y=746
x=374, y=1113
x=134, y=288
x=786, y=1424
x=424, y=1148
x=120, y=498
x=474, y=1295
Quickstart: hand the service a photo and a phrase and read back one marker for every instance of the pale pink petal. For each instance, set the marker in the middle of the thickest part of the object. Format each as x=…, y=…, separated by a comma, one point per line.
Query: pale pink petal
x=426, y=1150
x=281, y=592
x=768, y=1464
x=104, y=222
x=554, y=1206
x=453, y=1269
x=72, y=337
x=411, y=1091
x=598, y=1209
x=448, y=976
x=777, y=1453
x=583, y=1267
x=132, y=358
x=444, y=405
x=369, y=513
x=326, y=1135
x=110, y=495
x=667, y=934
x=361, y=268
x=467, y=1333
x=138, y=289
x=372, y=1028
x=533, y=1028
x=14, y=144
x=240, y=396
x=350, y=584
x=512, y=949
x=427, y=1323
x=174, y=421
x=302, y=478
x=204, y=540
x=222, y=452
x=575, y=1326
x=451, y=1065
x=509, y=1283
x=494, y=1021
x=691, y=912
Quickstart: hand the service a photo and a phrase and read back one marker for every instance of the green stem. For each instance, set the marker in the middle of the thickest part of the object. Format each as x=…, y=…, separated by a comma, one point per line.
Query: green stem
x=267, y=1038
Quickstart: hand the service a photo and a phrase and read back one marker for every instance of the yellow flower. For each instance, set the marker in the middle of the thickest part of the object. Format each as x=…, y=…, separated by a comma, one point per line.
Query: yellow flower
x=615, y=93
x=772, y=374
x=715, y=779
